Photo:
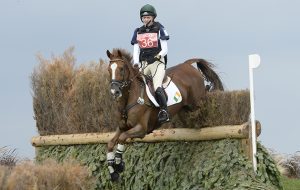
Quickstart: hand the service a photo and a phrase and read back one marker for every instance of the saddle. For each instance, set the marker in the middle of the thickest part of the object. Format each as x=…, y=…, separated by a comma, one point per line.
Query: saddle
x=170, y=89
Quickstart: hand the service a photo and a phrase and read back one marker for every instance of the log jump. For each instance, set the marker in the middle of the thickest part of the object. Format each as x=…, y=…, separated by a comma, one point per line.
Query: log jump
x=163, y=135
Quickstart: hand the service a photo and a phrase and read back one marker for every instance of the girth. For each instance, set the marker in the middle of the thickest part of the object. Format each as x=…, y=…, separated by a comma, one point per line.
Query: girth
x=140, y=101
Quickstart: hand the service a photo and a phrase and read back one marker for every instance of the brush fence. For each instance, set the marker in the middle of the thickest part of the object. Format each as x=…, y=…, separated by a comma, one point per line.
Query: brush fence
x=242, y=132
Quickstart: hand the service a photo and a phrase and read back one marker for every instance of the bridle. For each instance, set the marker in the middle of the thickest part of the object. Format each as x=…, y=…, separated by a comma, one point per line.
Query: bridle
x=123, y=83
x=120, y=83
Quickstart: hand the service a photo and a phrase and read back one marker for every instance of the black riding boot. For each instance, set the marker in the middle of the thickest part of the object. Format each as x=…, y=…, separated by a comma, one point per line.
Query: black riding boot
x=163, y=115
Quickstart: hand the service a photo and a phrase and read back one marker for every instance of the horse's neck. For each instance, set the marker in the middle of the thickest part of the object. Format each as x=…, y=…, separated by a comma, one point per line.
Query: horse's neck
x=127, y=94
x=123, y=100
x=134, y=92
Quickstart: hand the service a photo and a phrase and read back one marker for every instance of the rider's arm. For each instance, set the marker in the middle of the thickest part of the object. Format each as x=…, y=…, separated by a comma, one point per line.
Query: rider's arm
x=136, y=53
x=164, y=48
x=136, y=48
x=164, y=36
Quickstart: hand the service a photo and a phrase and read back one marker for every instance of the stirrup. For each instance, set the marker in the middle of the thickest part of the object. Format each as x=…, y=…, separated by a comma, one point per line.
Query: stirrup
x=163, y=113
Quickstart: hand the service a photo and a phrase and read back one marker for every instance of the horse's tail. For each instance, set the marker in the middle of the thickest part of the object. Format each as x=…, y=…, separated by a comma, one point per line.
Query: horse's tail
x=207, y=70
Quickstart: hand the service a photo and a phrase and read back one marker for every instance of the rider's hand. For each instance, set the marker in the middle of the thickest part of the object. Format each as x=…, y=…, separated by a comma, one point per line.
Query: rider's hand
x=136, y=65
x=157, y=57
x=154, y=59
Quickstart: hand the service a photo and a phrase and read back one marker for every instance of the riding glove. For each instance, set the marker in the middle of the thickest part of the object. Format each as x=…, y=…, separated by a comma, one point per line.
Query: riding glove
x=153, y=59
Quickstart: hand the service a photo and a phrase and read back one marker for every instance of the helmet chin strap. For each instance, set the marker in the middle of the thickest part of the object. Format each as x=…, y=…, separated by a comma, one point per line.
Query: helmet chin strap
x=147, y=24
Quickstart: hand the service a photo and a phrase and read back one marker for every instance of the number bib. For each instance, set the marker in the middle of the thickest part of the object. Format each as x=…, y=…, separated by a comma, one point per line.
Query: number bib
x=147, y=40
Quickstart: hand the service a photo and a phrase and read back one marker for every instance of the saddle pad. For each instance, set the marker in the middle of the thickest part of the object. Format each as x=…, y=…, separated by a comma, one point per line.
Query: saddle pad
x=174, y=95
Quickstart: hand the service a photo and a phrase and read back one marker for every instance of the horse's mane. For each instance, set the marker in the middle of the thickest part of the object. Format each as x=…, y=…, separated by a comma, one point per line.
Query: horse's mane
x=125, y=55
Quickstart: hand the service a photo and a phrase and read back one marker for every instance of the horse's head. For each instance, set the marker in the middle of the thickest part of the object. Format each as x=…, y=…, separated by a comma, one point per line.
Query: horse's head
x=118, y=71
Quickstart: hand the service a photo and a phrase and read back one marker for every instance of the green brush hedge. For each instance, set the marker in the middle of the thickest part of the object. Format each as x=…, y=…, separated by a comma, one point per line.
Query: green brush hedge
x=175, y=165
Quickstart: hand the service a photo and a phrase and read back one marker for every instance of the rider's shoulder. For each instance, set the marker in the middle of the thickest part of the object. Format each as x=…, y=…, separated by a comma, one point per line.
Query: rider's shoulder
x=136, y=29
x=141, y=28
x=163, y=32
x=159, y=24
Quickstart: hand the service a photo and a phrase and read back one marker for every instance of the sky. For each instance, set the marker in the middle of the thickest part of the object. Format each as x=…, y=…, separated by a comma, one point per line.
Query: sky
x=223, y=32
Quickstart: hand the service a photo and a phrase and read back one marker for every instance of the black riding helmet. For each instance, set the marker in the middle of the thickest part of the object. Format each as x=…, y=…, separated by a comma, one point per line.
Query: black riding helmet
x=148, y=10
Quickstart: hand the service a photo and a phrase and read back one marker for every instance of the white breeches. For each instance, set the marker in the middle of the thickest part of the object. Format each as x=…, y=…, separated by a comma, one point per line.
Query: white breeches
x=156, y=70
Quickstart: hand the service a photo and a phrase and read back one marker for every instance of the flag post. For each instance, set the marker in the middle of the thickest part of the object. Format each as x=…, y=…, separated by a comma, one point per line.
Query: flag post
x=254, y=62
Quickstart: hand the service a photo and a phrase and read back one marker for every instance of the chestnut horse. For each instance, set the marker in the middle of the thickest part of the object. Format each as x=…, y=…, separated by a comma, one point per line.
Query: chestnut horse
x=127, y=87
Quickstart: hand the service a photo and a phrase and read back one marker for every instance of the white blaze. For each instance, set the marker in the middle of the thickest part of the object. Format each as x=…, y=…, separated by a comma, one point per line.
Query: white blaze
x=113, y=70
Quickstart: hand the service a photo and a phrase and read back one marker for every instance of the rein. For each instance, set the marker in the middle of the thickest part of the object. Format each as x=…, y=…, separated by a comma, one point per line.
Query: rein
x=140, y=101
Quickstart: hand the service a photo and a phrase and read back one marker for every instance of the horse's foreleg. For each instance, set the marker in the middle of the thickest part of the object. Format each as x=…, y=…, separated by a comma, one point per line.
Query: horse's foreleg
x=119, y=165
x=111, y=156
x=138, y=131
x=119, y=152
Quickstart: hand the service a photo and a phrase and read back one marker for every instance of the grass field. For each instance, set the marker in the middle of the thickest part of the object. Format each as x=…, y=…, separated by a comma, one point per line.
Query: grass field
x=290, y=184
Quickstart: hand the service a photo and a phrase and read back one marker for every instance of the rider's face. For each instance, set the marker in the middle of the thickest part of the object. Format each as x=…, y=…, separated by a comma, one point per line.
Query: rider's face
x=147, y=19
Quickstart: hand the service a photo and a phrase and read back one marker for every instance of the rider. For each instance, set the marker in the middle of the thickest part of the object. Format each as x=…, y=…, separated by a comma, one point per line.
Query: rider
x=150, y=49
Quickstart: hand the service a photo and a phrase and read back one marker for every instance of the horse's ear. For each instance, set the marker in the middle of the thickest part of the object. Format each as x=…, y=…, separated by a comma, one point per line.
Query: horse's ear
x=108, y=54
x=119, y=53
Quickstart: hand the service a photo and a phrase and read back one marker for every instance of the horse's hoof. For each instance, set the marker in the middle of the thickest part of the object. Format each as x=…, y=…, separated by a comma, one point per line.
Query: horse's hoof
x=114, y=176
x=119, y=167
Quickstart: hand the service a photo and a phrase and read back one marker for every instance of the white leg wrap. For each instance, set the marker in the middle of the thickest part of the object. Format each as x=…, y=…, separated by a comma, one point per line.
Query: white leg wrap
x=119, y=151
x=110, y=160
x=111, y=169
x=120, y=148
x=110, y=156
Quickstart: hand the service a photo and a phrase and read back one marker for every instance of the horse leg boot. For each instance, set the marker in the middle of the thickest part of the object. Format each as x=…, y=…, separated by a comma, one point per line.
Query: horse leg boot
x=114, y=175
x=163, y=115
x=119, y=164
x=111, y=156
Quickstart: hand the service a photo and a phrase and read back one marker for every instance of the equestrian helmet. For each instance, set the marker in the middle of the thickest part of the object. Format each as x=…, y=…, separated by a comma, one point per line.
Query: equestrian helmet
x=148, y=10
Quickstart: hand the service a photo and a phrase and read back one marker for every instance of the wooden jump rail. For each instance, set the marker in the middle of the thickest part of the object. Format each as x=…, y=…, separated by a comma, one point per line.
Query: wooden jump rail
x=175, y=134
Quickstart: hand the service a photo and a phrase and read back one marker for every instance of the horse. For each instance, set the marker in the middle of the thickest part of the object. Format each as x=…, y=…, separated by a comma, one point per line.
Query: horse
x=127, y=87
